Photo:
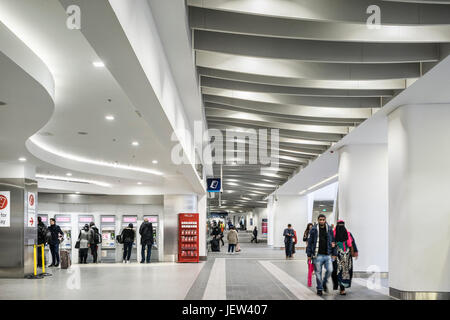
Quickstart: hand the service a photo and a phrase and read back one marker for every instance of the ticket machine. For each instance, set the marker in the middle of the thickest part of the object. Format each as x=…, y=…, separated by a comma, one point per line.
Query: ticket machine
x=82, y=221
x=154, y=221
x=126, y=220
x=65, y=223
x=108, y=246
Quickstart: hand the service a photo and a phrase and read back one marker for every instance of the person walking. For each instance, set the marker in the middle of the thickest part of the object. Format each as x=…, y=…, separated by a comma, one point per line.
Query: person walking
x=255, y=235
x=95, y=240
x=128, y=235
x=343, y=264
x=146, y=232
x=42, y=239
x=294, y=242
x=56, y=236
x=310, y=265
x=84, y=239
x=321, y=250
x=288, y=240
x=233, y=239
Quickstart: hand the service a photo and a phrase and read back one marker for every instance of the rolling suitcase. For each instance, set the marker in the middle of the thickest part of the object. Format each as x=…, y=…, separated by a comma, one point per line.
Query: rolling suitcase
x=215, y=247
x=65, y=259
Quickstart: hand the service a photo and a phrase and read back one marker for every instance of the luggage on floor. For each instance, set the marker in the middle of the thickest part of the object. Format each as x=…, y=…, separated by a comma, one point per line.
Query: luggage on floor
x=65, y=259
x=238, y=248
x=215, y=246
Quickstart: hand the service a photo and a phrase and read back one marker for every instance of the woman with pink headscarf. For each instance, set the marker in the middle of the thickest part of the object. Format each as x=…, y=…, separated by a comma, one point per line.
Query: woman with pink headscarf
x=343, y=265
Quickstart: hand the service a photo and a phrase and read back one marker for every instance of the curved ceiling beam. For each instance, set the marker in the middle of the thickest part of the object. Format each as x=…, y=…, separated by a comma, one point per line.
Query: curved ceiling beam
x=219, y=114
x=337, y=10
x=288, y=110
x=293, y=131
x=264, y=88
x=221, y=21
x=314, y=51
x=302, y=74
x=335, y=102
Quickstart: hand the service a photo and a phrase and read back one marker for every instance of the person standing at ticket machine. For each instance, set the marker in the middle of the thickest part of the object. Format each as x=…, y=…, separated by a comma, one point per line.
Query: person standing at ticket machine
x=57, y=236
x=128, y=236
x=95, y=239
x=146, y=232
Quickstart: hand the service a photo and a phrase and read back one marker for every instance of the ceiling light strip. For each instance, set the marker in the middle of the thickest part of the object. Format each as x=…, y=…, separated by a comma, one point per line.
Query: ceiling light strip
x=92, y=161
x=76, y=180
x=319, y=184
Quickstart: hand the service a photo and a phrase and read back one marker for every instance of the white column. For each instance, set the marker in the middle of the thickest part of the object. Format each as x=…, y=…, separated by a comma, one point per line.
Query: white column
x=173, y=205
x=363, y=202
x=419, y=211
x=288, y=209
x=201, y=207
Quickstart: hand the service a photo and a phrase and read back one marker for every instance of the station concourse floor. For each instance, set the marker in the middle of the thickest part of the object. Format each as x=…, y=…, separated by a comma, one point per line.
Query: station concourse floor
x=256, y=273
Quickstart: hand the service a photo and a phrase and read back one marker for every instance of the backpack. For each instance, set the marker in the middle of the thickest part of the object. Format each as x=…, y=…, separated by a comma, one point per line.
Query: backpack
x=97, y=236
x=119, y=238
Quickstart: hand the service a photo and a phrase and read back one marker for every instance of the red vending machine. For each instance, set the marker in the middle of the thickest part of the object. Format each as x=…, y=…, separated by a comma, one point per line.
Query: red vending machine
x=188, y=250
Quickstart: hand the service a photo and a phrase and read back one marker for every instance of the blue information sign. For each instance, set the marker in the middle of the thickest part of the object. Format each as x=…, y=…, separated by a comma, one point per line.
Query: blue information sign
x=214, y=184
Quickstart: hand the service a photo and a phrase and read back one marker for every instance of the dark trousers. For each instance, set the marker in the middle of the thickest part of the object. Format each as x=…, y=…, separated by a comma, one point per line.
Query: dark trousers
x=231, y=247
x=288, y=248
x=94, y=248
x=39, y=254
x=221, y=240
x=82, y=255
x=255, y=238
x=149, y=252
x=127, y=246
x=54, y=249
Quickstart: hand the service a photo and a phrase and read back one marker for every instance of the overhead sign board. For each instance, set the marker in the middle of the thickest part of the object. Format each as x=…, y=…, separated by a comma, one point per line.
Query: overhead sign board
x=214, y=184
x=5, y=208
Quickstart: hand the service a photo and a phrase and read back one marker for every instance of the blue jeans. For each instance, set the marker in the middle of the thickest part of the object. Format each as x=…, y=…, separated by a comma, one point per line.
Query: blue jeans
x=127, y=246
x=288, y=247
x=149, y=252
x=231, y=247
x=319, y=261
x=54, y=249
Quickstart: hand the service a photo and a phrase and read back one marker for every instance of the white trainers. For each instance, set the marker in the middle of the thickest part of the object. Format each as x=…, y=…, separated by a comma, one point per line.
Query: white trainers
x=128, y=261
x=124, y=261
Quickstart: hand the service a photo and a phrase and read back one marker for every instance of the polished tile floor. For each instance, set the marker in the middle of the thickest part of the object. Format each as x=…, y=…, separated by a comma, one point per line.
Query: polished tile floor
x=257, y=273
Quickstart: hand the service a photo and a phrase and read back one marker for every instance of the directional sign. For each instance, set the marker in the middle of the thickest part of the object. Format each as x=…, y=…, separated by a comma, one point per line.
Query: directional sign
x=214, y=184
x=31, y=217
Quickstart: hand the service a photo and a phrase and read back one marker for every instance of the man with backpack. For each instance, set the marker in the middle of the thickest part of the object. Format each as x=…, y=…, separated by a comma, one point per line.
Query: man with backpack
x=95, y=240
x=43, y=237
x=146, y=232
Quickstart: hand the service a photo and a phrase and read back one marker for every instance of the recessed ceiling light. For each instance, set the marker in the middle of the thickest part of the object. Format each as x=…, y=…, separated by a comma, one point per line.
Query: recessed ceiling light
x=68, y=174
x=82, y=133
x=135, y=143
x=98, y=64
x=155, y=161
x=109, y=117
x=78, y=192
x=22, y=159
x=139, y=183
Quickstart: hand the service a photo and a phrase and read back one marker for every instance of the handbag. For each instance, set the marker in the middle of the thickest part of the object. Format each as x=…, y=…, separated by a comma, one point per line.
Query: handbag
x=77, y=245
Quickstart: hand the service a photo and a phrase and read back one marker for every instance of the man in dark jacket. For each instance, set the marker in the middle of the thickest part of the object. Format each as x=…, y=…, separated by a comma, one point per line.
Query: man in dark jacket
x=146, y=232
x=42, y=238
x=255, y=235
x=321, y=249
x=56, y=233
x=95, y=239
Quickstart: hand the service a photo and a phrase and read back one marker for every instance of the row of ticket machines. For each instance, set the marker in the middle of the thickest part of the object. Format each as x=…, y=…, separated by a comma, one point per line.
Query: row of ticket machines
x=108, y=228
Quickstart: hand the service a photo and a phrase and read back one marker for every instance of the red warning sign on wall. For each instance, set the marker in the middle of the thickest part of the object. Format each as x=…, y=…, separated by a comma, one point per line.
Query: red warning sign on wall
x=5, y=208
